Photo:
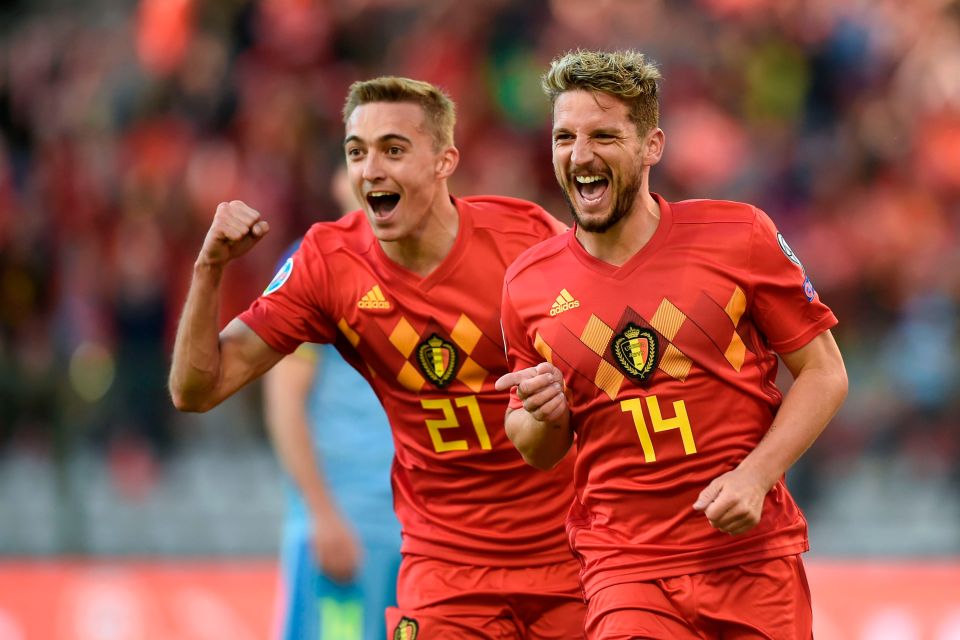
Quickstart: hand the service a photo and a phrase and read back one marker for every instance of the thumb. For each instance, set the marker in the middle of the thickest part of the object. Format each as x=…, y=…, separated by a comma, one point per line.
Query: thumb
x=260, y=229
x=707, y=496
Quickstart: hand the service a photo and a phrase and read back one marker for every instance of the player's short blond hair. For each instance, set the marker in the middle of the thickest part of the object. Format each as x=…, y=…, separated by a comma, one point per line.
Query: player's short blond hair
x=439, y=111
x=626, y=75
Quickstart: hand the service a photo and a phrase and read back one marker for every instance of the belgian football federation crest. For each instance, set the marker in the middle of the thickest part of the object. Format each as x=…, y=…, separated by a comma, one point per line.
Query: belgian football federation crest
x=636, y=351
x=437, y=359
x=407, y=629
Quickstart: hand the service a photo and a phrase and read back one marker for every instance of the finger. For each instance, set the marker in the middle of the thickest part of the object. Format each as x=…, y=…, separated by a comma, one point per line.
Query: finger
x=244, y=212
x=531, y=386
x=548, y=368
x=737, y=527
x=537, y=399
x=509, y=380
x=707, y=496
x=720, y=510
x=730, y=519
x=553, y=409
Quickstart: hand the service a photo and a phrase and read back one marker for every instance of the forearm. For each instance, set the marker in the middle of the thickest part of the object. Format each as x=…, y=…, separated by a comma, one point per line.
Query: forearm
x=287, y=390
x=808, y=406
x=196, y=353
x=542, y=444
x=295, y=450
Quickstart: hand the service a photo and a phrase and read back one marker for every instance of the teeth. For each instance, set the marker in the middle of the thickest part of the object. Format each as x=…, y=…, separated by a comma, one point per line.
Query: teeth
x=379, y=194
x=588, y=179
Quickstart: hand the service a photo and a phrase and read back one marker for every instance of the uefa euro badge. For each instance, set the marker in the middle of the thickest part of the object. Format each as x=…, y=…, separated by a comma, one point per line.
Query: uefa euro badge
x=407, y=629
x=636, y=351
x=280, y=278
x=437, y=359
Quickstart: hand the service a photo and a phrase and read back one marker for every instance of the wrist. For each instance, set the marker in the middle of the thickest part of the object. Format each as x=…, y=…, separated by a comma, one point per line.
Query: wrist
x=765, y=477
x=206, y=270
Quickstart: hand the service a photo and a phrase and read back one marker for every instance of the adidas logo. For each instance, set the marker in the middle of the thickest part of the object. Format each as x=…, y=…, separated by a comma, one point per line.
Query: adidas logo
x=373, y=299
x=564, y=302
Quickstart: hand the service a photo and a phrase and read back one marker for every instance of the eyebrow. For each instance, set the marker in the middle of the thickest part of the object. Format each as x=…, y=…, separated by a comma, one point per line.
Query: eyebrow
x=614, y=131
x=382, y=139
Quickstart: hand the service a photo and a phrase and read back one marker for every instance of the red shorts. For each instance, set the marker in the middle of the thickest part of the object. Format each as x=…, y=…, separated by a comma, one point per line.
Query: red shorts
x=440, y=600
x=766, y=599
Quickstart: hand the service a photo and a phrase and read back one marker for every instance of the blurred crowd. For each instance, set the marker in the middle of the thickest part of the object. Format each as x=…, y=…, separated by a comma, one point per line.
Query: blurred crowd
x=123, y=124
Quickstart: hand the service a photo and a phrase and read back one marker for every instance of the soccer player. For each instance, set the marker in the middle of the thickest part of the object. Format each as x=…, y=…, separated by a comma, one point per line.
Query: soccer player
x=408, y=290
x=650, y=334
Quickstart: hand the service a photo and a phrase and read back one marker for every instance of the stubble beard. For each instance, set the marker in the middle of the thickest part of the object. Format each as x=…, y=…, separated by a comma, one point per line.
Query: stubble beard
x=622, y=205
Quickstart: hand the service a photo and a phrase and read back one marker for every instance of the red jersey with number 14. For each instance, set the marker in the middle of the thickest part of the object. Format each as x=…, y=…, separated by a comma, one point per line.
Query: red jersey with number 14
x=432, y=349
x=670, y=364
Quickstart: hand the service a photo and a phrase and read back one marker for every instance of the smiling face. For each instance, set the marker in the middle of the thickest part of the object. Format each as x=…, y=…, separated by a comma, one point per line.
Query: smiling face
x=599, y=158
x=395, y=169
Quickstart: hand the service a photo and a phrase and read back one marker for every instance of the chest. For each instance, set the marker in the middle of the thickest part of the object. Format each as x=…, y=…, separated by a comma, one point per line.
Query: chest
x=441, y=335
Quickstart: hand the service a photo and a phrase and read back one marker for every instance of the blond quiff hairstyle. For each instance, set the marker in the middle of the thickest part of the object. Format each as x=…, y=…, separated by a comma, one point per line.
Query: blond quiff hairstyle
x=626, y=75
x=438, y=109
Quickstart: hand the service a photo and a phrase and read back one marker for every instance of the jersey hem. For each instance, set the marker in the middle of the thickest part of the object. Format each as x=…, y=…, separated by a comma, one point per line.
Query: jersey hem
x=495, y=558
x=688, y=568
x=263, y=331
x=824, y=324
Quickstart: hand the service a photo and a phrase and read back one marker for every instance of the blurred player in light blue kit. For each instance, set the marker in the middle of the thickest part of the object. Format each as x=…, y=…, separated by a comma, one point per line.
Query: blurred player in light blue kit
x=341, y=540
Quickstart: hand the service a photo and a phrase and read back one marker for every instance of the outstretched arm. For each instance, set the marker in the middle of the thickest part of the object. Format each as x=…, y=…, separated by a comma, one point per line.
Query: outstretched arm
x=541, y=429
x=286, y=393
x=208, y=367
x=733, y=502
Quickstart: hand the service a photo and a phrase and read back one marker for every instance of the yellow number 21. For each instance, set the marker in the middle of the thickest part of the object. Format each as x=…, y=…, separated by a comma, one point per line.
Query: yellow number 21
x=679, y=421
x=450, y=421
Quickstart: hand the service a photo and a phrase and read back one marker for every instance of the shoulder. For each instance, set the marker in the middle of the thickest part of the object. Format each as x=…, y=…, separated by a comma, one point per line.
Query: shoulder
x=713, y=212
x=505, y=215
x=351, y=232
x=537, y=254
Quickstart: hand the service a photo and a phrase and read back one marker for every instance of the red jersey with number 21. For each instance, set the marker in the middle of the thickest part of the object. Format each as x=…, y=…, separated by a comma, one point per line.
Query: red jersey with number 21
x=670, y=364
x=432, y=349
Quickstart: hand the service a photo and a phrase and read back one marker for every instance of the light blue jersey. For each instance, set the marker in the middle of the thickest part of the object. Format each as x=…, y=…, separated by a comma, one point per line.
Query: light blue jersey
x=354, y=447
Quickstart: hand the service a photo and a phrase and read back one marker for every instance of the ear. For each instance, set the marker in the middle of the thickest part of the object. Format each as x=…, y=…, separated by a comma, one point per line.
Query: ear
x=447, y=161
x=653, y=146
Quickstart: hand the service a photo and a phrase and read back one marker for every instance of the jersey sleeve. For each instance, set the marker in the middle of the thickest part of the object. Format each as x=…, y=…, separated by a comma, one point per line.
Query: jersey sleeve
x=784, y=304
x=548, y=225
x=290, y=310
x=519, y=350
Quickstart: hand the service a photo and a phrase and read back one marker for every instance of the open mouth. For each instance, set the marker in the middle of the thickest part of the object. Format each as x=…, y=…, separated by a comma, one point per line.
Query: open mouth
x=591, y=188
x=382, y=203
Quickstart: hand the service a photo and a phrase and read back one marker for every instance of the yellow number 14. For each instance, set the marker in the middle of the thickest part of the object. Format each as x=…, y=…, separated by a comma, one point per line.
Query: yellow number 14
x=679, y=421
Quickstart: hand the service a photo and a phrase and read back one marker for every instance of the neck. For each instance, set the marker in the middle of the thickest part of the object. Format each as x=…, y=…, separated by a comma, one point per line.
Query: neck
x=428, y=245
x=622, y=241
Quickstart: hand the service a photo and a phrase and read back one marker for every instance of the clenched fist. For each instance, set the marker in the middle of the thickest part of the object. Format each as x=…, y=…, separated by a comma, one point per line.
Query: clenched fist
x=540, y=389
x=235, y=229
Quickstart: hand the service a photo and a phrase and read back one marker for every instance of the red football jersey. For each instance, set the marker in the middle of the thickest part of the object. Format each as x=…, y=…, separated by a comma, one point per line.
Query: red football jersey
x=670, y=365
x=432, y=349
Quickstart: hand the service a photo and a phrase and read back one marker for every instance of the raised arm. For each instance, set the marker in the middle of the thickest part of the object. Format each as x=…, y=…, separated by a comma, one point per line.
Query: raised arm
x=541, y=429
x=286, y=394
x=208, y=367
x=733, y=501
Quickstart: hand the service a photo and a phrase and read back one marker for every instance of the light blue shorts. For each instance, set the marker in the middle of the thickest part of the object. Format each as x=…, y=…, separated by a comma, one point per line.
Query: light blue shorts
x=317, y=608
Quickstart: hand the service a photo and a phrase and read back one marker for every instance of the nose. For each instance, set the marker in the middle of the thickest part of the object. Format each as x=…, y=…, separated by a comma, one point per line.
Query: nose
x=372, y=168
x=582, y=153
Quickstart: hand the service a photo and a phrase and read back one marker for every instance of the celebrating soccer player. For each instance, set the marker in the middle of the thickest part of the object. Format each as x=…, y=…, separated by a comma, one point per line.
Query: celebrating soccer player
x=650, y=333
x=408, y=290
